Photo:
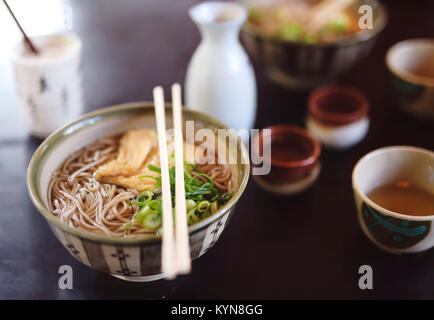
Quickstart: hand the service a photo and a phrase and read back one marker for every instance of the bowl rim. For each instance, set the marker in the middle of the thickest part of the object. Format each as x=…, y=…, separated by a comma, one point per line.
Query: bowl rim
x=361, y=36
x=372, y=204
x=404, y=74
x=35, y=62
x=56, y=138
x=335, y=118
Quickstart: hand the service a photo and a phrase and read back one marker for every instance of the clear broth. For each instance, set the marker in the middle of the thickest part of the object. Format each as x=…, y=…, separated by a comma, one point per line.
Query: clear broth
x=405, y=198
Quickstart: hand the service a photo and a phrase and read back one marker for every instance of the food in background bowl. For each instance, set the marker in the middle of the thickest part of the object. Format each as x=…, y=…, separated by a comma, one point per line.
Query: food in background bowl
x=299, y=59
x=292, y=21
x=123, y=246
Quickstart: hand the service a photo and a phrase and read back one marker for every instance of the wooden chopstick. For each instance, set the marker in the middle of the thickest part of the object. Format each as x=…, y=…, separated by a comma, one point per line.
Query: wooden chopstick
x=168, y=262
x=182, y=244
x=27, y=40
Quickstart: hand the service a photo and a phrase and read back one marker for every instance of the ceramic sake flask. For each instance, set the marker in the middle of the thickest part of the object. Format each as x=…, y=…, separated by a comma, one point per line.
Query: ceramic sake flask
x=220, y=80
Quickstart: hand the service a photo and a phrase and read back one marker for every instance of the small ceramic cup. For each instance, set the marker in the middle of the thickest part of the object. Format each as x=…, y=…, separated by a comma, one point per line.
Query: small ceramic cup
x=49, y=84
x=338, y=116
x=411, y=63
x=394, y=232
x=294, y=160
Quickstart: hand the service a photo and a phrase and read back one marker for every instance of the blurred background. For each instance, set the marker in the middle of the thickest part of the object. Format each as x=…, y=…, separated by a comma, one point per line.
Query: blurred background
x=131, y=46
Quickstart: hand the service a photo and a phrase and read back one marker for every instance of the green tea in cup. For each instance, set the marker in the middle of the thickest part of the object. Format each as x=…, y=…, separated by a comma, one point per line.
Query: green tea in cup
x=403, y=196
x=394, y=194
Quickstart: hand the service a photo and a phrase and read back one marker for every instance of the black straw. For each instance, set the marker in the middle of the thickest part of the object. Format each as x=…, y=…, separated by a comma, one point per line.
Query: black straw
x=26, y=38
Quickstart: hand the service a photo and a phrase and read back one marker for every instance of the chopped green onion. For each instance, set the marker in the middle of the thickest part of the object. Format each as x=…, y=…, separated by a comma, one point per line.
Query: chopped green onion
x=141, y=214
x=154, y=168
x=192, y=218
x=205, y=176
x=148, y=194
x=148, y=176
x=310, y=38
x=190, y=204
x=203, y=206
x=290, y=31
x=155, y=205
x=339, y=23
x=255, y=14
x=137, y=203
x=227, y=196
x=152, y=220
x=202, y=198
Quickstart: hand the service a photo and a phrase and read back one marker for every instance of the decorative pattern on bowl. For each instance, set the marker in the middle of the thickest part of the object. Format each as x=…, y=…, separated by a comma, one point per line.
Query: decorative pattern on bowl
x=135, y=262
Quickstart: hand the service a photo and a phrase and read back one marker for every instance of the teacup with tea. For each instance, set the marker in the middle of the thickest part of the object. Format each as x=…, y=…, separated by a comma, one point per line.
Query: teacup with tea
x=394, y=193
x=411, y=64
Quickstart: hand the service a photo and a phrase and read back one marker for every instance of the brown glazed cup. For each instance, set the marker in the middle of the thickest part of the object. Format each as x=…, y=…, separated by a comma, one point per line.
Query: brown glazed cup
x=338, y=116
x=337, y=105
x=294, y=159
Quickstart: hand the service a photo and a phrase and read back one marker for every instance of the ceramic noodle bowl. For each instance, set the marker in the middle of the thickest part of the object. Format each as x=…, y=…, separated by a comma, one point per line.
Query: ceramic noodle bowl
x=134, y=259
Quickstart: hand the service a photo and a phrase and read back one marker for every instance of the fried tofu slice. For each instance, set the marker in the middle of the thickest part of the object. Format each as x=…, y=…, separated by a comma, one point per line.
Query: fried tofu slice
x=137, y=150
x=134, y=148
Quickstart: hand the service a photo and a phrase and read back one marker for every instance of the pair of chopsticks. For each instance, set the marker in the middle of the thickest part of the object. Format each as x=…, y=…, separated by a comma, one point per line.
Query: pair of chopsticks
x=176, y=248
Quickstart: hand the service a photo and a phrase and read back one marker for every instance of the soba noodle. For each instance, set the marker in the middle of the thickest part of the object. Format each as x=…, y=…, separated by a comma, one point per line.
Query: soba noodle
x=79, y=200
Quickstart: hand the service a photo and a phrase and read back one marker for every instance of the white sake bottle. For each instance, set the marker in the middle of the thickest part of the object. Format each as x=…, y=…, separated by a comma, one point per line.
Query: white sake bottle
x=220, y=80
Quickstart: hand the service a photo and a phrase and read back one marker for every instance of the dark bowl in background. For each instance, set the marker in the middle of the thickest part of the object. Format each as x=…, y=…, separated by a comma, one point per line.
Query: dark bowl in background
x=300, y=66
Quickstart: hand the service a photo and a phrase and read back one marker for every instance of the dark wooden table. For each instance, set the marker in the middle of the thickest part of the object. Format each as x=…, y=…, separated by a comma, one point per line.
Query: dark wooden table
x=309, y=246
